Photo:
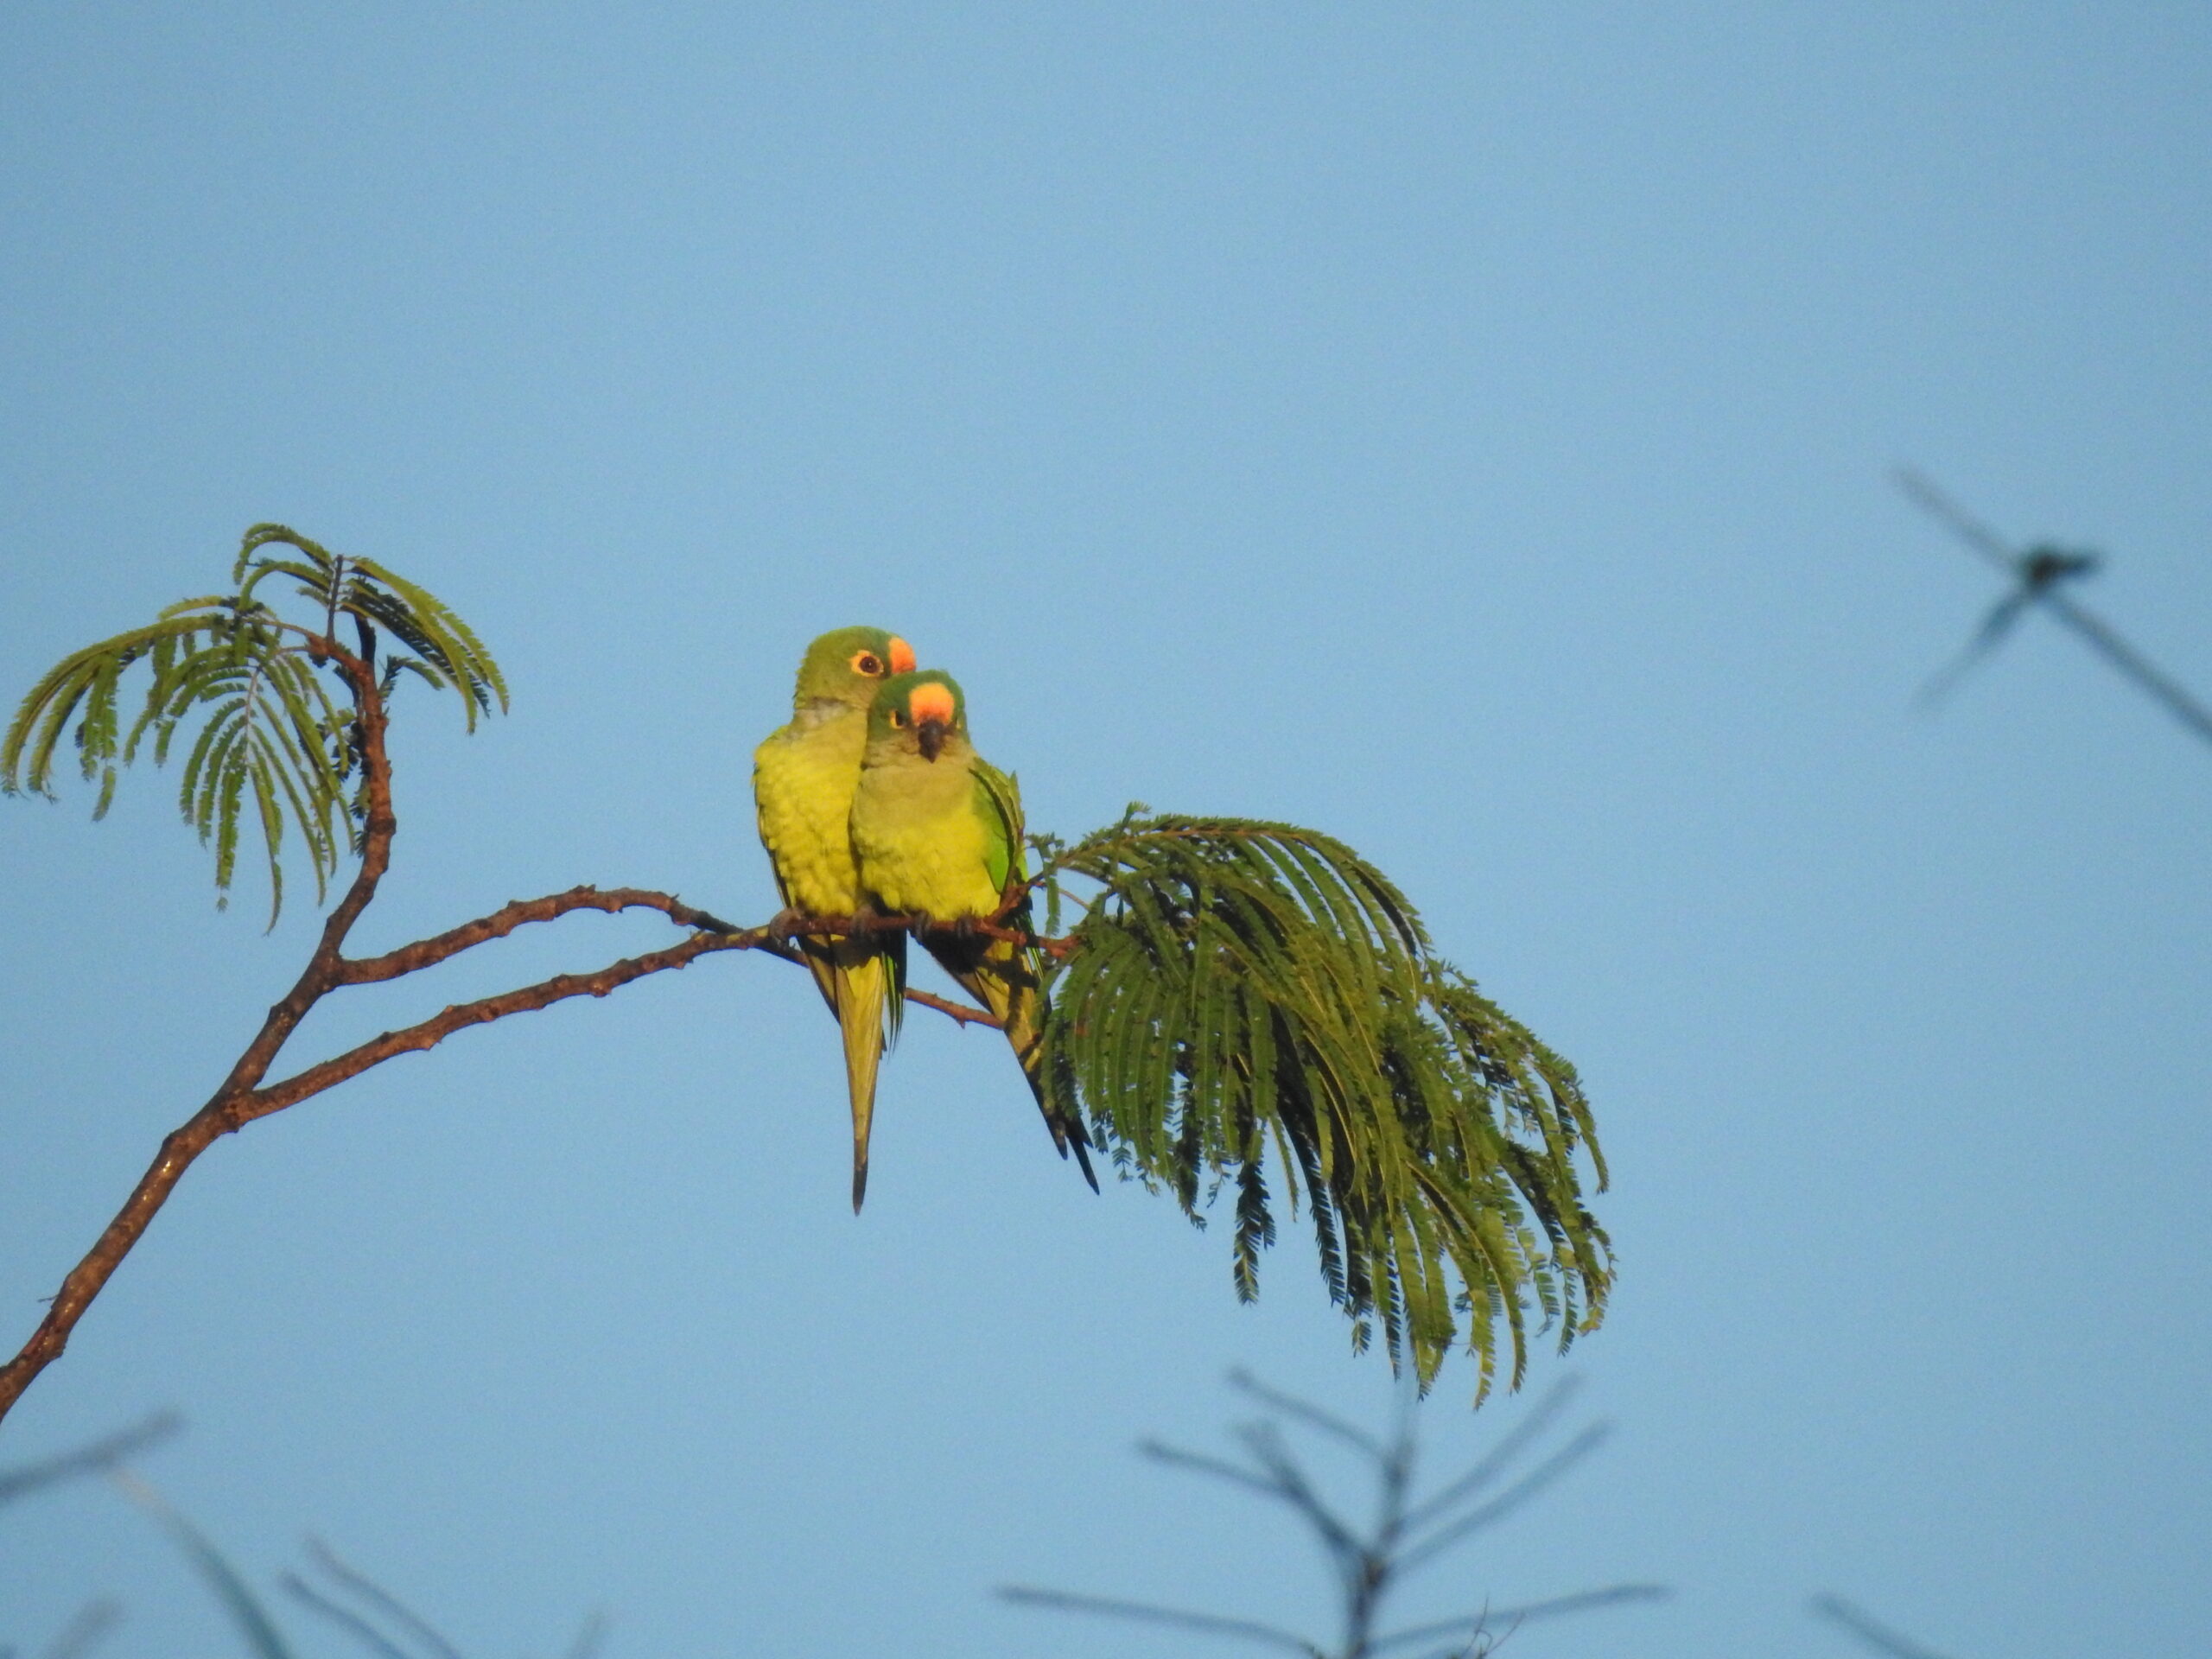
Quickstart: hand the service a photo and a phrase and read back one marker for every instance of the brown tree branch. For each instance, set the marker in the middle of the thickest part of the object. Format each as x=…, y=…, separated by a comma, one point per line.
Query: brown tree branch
x=959, y=1012
x=241, y=1096
x=184, y=1144
x=518, y=913
x=429, y=1033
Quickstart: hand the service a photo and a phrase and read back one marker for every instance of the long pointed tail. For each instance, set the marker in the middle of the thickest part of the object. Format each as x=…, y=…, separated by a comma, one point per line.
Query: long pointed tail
x=1025, y=1030
x=865, y=981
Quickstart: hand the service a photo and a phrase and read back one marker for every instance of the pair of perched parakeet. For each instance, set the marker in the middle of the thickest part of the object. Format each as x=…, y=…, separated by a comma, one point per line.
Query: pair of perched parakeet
x=872, y=802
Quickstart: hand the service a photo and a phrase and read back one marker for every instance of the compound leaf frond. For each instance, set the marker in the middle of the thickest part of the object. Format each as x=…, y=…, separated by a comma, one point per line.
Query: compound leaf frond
x=273, y=707
x=1234, y=985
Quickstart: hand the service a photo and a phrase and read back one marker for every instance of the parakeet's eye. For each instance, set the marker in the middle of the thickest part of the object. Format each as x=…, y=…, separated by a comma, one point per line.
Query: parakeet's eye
x=867, y=662
x=898, y=718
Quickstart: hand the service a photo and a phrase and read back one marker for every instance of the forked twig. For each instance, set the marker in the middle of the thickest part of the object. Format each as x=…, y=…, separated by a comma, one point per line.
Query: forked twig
x=344, y=1617
x=1369, y=1565
x=244, y=1096
x=370, y=1594
x=2041, y=572
x=1511, y=1618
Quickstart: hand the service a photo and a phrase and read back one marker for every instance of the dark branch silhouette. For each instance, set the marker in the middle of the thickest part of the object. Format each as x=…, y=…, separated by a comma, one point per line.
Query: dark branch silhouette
x=344, y=1617
x=244, y=1095
x=2041, y=572
x=1468, y=1631
x=1875, y=1636
x=346, y=1596
x=93, y=1621
x=380, y=1621
x=86, y=1630
x=1369, y=1564
x=373, y=1604
x=1510, y=1499
x=97, y=1458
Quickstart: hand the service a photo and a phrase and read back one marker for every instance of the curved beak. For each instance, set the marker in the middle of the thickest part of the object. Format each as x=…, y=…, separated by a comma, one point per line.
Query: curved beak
x=931, y=733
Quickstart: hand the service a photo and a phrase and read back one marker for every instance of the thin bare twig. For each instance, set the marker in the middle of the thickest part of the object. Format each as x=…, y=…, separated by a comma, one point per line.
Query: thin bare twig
x=959, y=1012
x=91, y=1623
x=2040, y=571
x=1313, y=1415
x=1614, y=1595
x=1369, y=1565
x=1511, y=1498
x=520, y=912
x=1874, y=1634
x=345, y=1618
x=1515, y=1440
x=97, y=1458
x=369, y=1591
x=252, y=1617
x=1220, y=1468
x=1264, y=1441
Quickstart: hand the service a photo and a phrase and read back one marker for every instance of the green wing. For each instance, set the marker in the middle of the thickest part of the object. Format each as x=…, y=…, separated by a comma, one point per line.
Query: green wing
x=1009, y=979
x=998, y=804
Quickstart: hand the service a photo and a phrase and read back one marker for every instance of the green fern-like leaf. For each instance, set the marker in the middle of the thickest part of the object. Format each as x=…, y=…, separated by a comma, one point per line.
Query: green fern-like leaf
x=1235, y=986
x=274, y=722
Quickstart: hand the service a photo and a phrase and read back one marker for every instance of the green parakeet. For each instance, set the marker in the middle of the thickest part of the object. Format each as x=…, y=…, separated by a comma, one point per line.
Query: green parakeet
x=937, y=832
x=803, y=777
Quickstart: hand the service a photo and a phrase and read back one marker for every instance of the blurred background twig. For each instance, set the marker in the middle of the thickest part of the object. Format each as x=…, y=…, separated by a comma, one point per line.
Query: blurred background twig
x=1369, y=1565
x=2041, y=572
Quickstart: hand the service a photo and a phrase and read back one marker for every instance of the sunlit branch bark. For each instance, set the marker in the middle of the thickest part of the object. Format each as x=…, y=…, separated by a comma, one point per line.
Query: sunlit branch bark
x=242, y=1097
x=428, y=953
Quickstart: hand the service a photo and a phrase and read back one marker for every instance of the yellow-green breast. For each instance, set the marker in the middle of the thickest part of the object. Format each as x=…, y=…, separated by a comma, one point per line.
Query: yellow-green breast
x=923, y=847
x=802, y=781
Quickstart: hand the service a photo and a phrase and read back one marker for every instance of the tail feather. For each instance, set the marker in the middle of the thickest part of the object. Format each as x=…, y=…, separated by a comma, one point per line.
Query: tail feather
x=864, y=982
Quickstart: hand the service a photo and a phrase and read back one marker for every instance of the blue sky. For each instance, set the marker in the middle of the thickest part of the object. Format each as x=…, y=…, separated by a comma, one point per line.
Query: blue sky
x=1464, y=429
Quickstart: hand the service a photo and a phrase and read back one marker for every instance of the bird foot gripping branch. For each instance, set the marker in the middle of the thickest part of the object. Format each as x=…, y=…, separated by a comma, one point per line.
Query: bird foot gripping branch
x=1224, y=987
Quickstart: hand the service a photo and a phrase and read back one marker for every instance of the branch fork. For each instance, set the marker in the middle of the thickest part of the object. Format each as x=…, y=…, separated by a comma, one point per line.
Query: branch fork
x=244, y=1096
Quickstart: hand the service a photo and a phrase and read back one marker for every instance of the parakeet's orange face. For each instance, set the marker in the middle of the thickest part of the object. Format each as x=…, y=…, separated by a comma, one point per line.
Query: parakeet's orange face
x=931, y=707
x=927, y=707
